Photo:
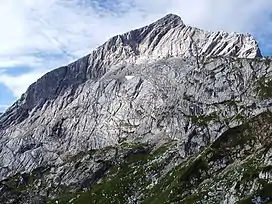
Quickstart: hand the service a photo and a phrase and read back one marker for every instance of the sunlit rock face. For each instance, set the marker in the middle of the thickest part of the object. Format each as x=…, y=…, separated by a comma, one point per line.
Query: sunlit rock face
x=166, y=83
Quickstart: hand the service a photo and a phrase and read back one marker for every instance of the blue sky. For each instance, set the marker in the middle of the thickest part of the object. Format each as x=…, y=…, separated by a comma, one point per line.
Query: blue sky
x=39, y=35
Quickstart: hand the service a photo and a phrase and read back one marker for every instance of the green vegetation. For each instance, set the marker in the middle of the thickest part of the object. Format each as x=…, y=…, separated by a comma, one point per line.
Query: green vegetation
x=264, y=88
x=204, y=119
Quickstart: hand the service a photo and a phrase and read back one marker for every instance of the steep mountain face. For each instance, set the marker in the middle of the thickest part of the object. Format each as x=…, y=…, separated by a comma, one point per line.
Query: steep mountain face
x=236, y=168
x=162, y=114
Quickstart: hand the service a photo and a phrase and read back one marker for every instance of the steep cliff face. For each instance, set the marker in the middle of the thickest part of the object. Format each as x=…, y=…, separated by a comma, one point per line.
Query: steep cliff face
x=235, y=168
x=166, y=87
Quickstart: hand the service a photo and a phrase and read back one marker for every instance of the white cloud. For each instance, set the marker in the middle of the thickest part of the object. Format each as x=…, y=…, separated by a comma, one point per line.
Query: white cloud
x=19, y=84
x=43, y=34
x=3, y=108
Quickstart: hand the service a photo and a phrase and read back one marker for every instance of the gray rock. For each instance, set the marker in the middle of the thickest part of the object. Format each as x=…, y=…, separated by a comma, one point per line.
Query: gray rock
x=165, y=80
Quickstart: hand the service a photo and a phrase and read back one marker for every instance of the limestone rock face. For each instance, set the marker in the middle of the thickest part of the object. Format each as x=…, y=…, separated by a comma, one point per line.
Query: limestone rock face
x=166, y=81
x=236, y=168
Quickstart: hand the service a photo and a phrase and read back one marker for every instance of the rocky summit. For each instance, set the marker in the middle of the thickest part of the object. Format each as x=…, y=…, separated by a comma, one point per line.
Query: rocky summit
x=167, y=113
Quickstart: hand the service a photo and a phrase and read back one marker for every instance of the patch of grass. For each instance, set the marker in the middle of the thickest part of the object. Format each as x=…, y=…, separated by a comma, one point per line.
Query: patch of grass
x=204, y=119
x=264, y=88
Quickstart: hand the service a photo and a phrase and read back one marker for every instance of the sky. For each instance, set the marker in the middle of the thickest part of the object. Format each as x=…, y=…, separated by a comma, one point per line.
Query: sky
x=39, y=35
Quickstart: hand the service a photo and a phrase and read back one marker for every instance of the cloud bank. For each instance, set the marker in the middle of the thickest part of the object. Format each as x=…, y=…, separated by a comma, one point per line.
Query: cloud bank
x=44, y=34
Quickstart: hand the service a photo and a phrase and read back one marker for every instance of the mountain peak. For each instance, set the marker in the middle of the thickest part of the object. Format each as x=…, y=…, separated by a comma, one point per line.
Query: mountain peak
x=170, y=19
x=83, y=105
x=170, y=37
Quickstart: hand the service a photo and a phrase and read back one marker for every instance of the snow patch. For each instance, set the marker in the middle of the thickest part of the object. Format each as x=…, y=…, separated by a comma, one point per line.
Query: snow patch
x=129, y=77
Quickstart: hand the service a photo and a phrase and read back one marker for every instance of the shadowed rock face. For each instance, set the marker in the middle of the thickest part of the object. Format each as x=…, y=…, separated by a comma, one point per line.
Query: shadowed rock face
x=163, y=82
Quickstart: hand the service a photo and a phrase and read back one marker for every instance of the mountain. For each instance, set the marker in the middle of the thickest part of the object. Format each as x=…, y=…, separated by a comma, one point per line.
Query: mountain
x=166, y=113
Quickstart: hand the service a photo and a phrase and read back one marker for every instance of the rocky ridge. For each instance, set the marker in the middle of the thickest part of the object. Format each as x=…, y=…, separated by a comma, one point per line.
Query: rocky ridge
x=163, y=84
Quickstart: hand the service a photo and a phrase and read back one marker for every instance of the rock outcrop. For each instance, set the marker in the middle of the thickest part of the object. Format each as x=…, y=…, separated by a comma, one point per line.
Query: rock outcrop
x=236, y=168
x=163, y=83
